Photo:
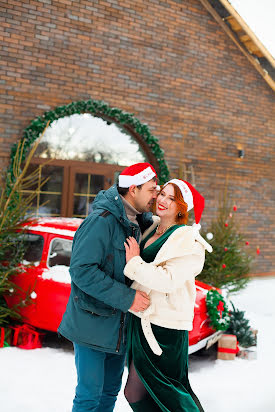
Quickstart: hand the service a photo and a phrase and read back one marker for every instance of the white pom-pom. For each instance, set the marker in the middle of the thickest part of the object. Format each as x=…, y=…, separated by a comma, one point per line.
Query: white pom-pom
x=196, y=226
x=209, y=236
x=33, y=295
x=11, y=290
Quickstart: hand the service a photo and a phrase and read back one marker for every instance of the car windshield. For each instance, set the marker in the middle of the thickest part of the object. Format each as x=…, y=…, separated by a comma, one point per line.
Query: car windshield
x=34, y=248
x=60, y=252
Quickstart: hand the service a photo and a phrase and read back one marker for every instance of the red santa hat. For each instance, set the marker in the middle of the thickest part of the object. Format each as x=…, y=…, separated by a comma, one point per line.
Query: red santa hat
x=191, y=196
x=136, y=174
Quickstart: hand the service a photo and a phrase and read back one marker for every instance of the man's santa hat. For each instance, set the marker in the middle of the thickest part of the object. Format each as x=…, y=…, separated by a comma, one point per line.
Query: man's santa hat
x=136, y=174
x=191, y=197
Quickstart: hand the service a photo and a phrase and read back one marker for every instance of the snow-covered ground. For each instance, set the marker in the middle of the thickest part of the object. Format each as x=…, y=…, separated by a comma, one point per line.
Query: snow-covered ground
x=43, y=380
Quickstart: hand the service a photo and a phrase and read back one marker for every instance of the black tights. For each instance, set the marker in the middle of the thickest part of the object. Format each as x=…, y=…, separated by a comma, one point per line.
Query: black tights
x=134, y=390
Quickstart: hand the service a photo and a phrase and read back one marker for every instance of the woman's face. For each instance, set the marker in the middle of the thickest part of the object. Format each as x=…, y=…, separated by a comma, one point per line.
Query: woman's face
x=166, y=206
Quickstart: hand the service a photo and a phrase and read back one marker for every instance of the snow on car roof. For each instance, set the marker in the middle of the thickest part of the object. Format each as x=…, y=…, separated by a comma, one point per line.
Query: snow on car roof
x=57, y=225
x=58, y=273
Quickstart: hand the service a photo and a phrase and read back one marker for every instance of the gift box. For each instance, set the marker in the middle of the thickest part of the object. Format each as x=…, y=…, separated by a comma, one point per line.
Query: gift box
x=227, y=347
x=248, y=353
x=26, y=337
x=5, y=337
x=255, y=334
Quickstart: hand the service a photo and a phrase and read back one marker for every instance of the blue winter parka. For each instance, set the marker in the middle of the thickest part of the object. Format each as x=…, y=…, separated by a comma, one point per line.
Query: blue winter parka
x=96, y=313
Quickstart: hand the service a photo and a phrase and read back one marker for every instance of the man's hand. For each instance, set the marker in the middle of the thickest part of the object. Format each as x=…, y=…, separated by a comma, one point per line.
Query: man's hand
x=141, y=302
x=131, y=248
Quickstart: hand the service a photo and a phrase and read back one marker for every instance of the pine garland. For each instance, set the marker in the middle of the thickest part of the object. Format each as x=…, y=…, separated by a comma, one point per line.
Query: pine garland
x=219, y=319
x=98, y=109
x=240, y=327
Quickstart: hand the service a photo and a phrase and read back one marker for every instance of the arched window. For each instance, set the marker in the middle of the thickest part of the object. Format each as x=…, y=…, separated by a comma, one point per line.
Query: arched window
x=84, y=153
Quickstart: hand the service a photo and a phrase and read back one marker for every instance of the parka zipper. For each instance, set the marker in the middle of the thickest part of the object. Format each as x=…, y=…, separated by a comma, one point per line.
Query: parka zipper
x=120, y=332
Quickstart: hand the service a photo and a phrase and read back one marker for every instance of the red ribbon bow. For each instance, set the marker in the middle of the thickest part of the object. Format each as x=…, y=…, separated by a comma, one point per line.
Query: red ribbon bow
x=220, y=308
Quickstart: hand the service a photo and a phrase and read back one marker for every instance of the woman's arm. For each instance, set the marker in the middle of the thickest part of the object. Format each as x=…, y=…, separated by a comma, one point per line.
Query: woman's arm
x=166, y=277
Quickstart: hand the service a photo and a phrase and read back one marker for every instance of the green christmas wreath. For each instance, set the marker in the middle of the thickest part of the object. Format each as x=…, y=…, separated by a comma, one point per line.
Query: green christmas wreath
x=100, y=109
x=217, y=310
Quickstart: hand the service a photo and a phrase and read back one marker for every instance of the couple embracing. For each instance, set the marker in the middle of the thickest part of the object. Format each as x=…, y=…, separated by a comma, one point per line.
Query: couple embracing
x=133, y=293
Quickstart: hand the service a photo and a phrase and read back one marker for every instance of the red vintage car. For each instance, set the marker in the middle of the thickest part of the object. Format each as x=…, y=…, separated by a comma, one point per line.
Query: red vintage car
x=46, y=277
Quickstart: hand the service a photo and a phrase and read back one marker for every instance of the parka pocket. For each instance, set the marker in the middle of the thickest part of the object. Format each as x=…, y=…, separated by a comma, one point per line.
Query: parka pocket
x=118, y=243
x=93, y=306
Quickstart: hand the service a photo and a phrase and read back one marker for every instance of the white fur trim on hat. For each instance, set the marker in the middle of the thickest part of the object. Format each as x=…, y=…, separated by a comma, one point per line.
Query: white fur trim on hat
x=185, y=191
x=138, y=179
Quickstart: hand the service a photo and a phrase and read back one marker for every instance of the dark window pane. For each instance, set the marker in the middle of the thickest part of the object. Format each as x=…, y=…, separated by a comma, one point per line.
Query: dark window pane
x=80, y=205
x=34, y=244
x=49, y=204
x=81, y=183
x=55, y=175
x=33, y=203
x=60, y=252
x=33, y=172
x=96, y=183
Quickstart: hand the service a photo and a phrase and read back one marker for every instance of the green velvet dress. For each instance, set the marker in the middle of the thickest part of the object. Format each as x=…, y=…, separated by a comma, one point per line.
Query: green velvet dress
x=165, y=377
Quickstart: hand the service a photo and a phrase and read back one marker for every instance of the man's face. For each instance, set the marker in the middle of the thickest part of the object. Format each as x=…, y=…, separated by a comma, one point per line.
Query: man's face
x=144, y=197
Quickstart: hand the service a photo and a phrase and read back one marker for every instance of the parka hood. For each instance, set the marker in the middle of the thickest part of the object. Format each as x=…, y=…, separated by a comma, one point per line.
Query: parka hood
x=110, y=200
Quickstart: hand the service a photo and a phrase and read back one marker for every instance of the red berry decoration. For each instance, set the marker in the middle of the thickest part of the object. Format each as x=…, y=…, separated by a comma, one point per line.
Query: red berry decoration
x=235, y=208
x=223, y=265
x=226, y=224
x=225, y=249
x=247, y=243
x=258, y=251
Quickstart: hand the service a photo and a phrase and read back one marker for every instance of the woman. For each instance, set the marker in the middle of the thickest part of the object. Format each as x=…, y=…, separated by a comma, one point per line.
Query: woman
x=170, y=255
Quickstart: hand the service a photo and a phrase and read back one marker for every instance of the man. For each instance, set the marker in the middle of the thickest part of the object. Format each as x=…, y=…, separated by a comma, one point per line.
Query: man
x=95, y=318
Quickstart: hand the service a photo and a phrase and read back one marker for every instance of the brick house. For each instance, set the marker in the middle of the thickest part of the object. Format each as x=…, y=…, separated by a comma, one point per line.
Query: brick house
x=204, y=87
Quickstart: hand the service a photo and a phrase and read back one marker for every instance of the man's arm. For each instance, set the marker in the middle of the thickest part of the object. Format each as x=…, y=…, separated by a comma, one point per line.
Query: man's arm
x=89, y=254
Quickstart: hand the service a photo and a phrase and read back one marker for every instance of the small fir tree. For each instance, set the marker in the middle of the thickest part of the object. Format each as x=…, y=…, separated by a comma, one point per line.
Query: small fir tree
x=240, y=327
x=229, y=263
x=14, y=208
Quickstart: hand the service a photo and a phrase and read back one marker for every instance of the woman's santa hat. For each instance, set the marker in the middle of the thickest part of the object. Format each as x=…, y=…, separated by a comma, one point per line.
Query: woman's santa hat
x=136, y=174
x=191, y=196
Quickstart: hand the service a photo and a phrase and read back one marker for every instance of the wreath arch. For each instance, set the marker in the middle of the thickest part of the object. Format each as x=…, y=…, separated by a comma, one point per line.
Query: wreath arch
x=97, y=108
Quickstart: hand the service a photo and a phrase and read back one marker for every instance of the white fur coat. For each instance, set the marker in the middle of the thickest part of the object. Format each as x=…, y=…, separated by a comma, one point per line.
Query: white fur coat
x=169, y=281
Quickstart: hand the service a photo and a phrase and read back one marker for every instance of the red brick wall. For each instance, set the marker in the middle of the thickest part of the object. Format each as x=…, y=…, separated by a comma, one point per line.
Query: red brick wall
x=170, y=64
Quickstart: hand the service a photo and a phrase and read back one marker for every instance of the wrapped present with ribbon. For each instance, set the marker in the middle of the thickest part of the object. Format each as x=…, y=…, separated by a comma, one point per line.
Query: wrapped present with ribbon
x=227, y=347
x=248, y=353
x=27, y=337
x=5, y=337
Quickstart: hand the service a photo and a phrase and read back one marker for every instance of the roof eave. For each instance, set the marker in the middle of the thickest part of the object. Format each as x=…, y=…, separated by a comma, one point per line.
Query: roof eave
x=253, y=60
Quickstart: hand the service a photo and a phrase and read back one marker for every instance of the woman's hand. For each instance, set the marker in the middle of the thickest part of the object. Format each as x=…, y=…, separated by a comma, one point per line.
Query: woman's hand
x=131, y=248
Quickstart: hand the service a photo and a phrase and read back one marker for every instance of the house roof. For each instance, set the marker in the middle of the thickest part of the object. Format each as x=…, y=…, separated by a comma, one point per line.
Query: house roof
x=244, y=38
